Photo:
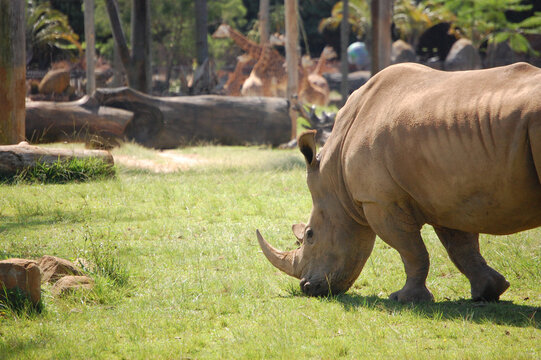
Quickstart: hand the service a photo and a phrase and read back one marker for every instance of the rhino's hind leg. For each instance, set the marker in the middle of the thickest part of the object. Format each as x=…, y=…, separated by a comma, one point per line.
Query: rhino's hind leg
x=399, y=230
x=463, y=248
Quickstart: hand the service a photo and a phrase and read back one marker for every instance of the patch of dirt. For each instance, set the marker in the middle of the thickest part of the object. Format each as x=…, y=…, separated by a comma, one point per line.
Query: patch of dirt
x=170, y=162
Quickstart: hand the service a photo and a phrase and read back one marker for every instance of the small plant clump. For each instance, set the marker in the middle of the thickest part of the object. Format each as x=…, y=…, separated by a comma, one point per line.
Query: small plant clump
x=15, y=301
x=64, y=171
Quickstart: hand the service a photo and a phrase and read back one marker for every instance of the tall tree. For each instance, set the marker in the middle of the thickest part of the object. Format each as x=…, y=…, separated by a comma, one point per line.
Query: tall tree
x=382, y=11
x=292, y=58
x=90, y=50
x=263, y=21
x=137, y=62
x=201, y=20
x=344, y=40
x=201, y=77
x=12, y=71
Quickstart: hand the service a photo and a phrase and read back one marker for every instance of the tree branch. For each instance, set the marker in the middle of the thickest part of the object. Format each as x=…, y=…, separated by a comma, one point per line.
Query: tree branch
x=118, y=34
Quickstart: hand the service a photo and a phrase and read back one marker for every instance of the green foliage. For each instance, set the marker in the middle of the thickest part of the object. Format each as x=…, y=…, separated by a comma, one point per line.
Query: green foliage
x=47, y=28
x=412, y=18
x=172, y=28
x=485, y=20
x=63, y=171
x=358, y=17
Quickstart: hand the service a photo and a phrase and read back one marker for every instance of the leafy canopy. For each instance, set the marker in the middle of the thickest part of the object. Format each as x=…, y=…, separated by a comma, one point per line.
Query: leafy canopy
x=485, y=20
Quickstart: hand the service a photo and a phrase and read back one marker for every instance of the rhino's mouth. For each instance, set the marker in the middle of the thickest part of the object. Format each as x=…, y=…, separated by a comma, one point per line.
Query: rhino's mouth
x=318, y=287
x=314, y=288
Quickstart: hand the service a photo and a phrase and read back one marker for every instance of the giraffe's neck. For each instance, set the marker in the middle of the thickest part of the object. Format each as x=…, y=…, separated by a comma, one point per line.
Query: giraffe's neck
x=320, y=64
x=250, y=47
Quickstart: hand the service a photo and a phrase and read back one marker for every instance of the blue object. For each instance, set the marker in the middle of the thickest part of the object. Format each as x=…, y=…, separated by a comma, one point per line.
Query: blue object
x=358, y=55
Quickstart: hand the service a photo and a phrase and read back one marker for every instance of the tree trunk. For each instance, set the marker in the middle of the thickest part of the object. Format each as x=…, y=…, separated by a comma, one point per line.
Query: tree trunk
x=263, y=21
x=141, y=76
x=118, y=34
x=382, y=11
x=344, y=41
x=90, y=47
x=14, y=158
x=83, y=120
x=168, y=122
x=136, y=64
x=201, y=46
x=12, y=71
x=292, y=59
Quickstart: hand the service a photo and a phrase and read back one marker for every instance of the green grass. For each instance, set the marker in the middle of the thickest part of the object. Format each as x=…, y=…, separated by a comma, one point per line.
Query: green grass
x=63, y=171
x=179, y=274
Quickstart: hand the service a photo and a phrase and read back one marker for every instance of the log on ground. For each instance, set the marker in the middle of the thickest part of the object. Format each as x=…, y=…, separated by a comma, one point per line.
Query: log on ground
x=15, y=158
x=76, y=121
x=168, y=122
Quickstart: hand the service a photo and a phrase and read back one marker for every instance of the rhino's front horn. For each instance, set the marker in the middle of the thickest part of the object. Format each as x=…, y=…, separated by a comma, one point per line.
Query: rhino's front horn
x=283, y=260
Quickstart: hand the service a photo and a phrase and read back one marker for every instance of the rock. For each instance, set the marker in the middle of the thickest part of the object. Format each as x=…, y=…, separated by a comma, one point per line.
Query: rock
x=72, y=283
x=55, y=82
x=356, y=79
x=22, y=274
x=463, y=56
x=499, y=55
x=54, y=268
x=401, y=52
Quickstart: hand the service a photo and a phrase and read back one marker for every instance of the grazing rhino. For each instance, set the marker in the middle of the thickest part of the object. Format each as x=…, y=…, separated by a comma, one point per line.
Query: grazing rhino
x=460, y=151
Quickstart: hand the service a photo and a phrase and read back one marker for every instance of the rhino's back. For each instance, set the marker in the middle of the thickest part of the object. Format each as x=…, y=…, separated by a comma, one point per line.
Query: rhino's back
x=453, y=145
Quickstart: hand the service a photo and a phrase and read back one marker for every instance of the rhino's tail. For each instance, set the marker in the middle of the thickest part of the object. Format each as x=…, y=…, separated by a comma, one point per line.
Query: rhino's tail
x=534, y=135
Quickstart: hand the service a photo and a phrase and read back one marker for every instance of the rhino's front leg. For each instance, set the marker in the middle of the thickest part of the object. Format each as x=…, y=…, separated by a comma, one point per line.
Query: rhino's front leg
x=463, y=248
x=398, y=229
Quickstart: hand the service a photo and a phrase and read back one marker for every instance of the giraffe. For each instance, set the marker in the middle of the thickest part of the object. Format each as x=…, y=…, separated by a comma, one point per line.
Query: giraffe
x=242, y=70
x=256, y=84
x=314, y=88
x=250, y=47
x=270, y=77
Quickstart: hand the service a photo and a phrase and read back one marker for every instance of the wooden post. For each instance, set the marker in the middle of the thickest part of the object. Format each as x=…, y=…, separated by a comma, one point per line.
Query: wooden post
x=90, y=47
x=381, y=34
x=263, y=21
x=292, y=59
x=344, y=41
x=12, y=71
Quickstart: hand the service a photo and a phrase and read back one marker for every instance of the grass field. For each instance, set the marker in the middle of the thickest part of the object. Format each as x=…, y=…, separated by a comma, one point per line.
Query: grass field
x=181, y=275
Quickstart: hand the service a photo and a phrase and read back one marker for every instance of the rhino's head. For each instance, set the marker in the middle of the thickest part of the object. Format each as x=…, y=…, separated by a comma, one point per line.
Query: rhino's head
x=333, y=247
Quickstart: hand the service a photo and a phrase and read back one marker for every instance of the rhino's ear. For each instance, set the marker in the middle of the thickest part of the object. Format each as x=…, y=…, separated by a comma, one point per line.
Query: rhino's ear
x=307, y=145
x=298, y=230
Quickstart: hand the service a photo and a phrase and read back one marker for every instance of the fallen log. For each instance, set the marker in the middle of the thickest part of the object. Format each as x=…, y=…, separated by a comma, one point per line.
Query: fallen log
x=83, y=120
x=15, y=158
x=167, y=122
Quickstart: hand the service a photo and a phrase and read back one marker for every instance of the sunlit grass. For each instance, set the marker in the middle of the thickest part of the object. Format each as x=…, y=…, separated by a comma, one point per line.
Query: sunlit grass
x=182, y=276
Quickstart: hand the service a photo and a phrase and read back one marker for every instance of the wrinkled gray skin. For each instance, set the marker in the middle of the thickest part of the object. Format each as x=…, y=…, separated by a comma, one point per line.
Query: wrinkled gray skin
x=460, y=151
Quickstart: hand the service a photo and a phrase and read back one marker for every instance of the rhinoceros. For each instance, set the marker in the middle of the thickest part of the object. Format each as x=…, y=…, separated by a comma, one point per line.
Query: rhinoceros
x=460, y=151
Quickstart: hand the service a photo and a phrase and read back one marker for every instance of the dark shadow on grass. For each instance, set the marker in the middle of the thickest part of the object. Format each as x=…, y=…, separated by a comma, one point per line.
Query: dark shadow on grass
x=501, y=313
